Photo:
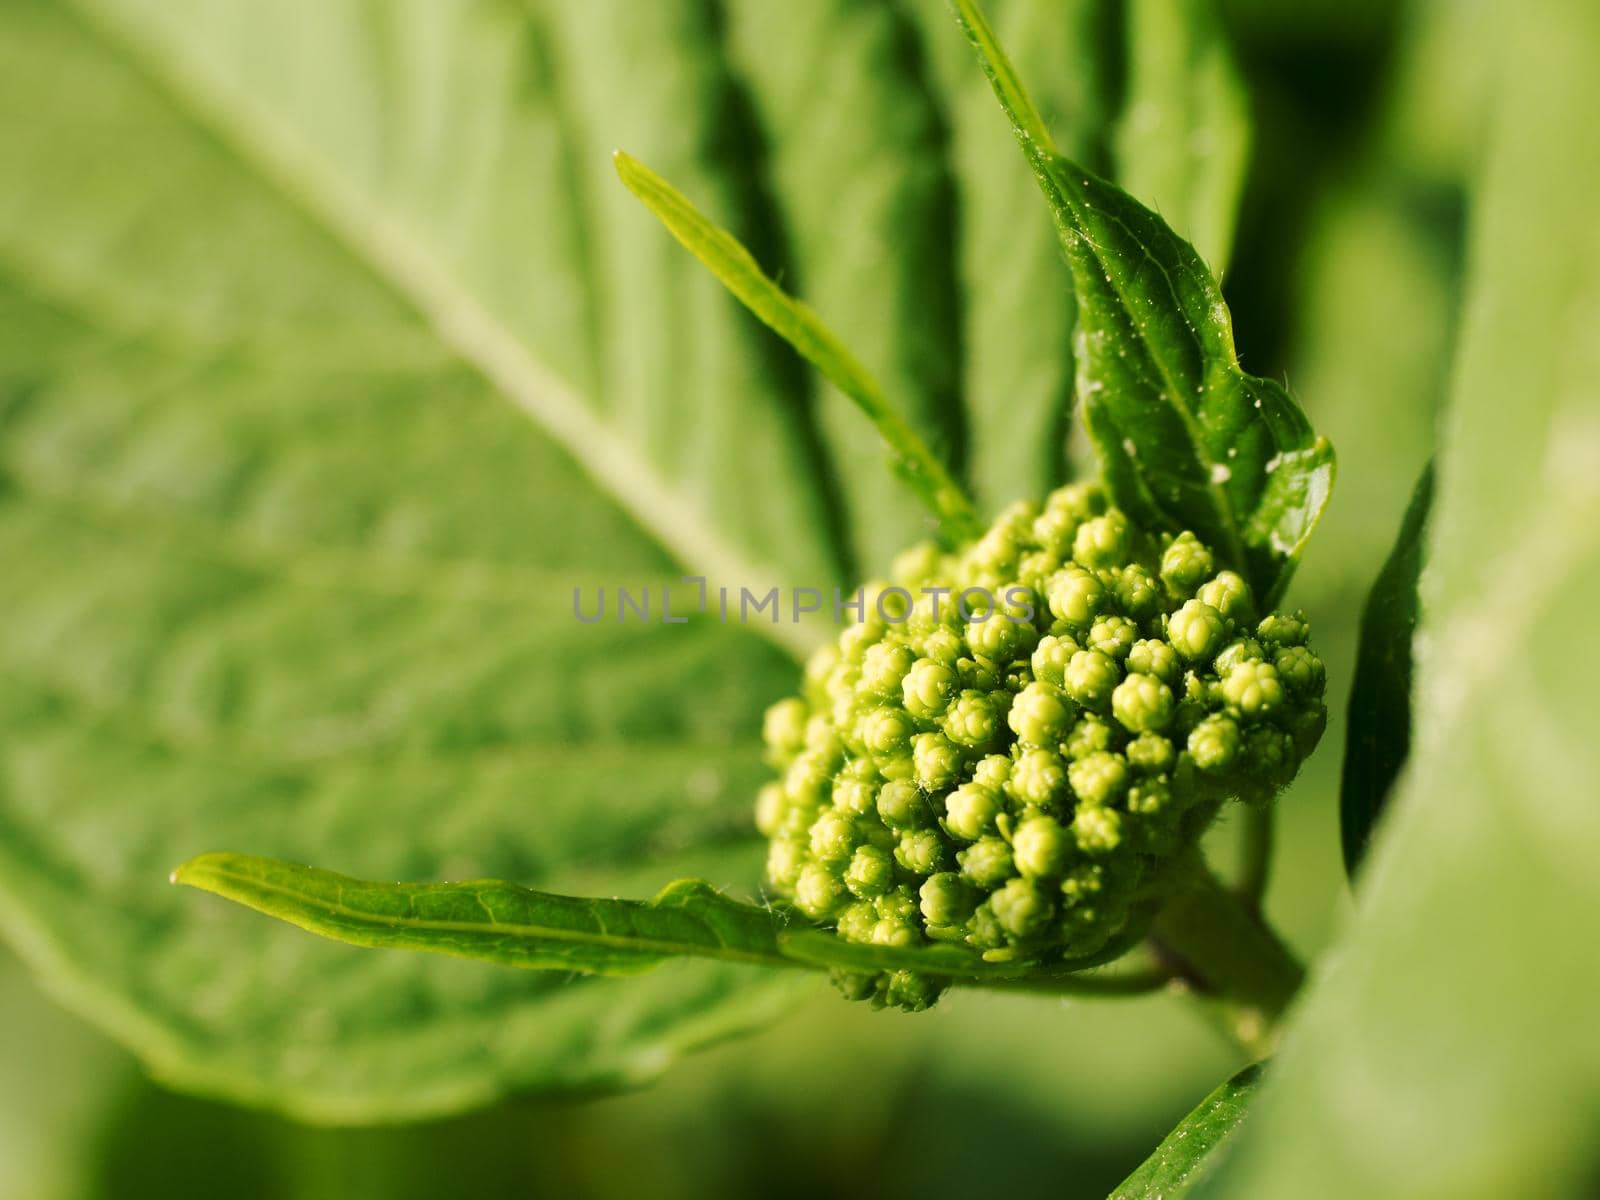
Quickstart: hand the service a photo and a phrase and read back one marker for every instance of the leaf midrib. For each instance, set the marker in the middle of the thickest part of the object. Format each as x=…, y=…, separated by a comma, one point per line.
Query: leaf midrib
x=379, y=241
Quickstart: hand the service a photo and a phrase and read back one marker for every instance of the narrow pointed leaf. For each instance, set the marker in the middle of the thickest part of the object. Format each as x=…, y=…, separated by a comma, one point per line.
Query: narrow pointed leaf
x=1378, y=735
x=496, y=921
x=1187, y=1152
x=793, y=321
x=1187, y=439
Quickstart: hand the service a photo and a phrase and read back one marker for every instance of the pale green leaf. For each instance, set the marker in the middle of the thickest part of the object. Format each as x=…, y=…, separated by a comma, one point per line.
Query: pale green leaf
x=332, y=359
x=1449, y=1047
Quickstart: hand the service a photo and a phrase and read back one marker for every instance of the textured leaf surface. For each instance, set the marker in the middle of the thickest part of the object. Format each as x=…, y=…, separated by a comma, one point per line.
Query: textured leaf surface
x=332, y=359
x=1449, y=1047
x=1378, y=736
x=1186, y=1154
x=1187, y=439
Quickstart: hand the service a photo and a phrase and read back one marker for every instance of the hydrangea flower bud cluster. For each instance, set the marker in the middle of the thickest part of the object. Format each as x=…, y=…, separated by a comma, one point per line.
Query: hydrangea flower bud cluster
x=1009, y=743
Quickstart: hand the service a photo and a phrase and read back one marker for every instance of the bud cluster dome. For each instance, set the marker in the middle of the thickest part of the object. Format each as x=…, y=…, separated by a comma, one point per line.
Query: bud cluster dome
x=1014, y=738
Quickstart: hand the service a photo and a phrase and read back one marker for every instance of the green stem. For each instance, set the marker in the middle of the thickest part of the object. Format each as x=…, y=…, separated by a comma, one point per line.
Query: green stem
x=1108, y=984
x=1228, y=955
x=1255, y=855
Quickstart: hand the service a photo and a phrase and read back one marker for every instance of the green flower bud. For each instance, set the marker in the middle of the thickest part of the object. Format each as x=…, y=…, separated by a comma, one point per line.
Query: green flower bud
x=935, y=761
x=1152, y=657
x=883, y=667
x=770, y=809
x=1023, y=908
x=921, y=851
x=783, y=728
x=1229, y=594
x=1000, y=636
x=1102, y=541
x=1038, y=717
x=909, y=991
x=970, y=812
x=855, y=922
x=1138, y=592
x=928, y=688
x=1282, y=629
x=1301, y=670
x=884, y=732
x=786, y=857
x=1099, y=778
x=1091, y=677
x=1214, y=744
x=1050, y=659
x=1242, y=650
x=901, y=805
x=1141, y=703
x=1074, y=596
x=898, y=905
x=818, y=893
x=853, y=985
x=1196, y=630
x=853, y=797
x=806, y=781
x=986, y=864
x=1037, y=779
x=916, y=564
x=971, y=720
x=893, y=934
x=832, y=837
x=1253, y=688
x=1185, y=564
x=992, y=772
x=870, y=873
x=1039, y=847
x=1150, y=754
x=943, y=646
x=1150, y=797
x=1098, y=831
x=1089, y=736
x=1113, y=636
x=946, y=900
x=1054, y=530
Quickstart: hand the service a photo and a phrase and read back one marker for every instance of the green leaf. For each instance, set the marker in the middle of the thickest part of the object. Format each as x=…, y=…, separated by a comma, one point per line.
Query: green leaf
x=1184, y=136
x=796, y=324
x=1449, y=1047
x=1378, y=737
x=1187, y=439
x=1194, y=1146
x=287, y=572
x=496, y=921
x=344, y=366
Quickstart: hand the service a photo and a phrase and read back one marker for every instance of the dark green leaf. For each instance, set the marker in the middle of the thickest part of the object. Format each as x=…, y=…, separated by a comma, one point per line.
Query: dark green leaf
x=1187, y=439
x=1378, y=735
x=1194, y=1145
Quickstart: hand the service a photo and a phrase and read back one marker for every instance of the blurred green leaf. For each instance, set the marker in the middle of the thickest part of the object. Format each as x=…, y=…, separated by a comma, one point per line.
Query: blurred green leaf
x=1378, y=736
x=1183, y=140
x=1187, y=439
x=1187, y=1152
x=288, y=573
x=1449, y=1046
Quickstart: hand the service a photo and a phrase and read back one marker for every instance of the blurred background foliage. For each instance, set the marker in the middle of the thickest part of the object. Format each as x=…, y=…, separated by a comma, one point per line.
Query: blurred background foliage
x=1345, y=281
